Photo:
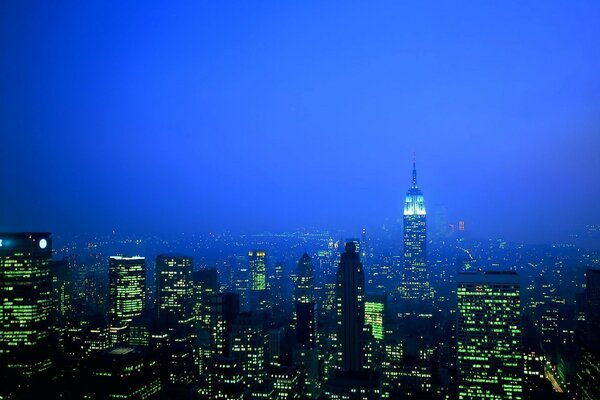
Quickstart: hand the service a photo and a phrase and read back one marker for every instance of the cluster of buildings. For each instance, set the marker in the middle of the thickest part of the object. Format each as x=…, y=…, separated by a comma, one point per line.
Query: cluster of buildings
x=342, y=323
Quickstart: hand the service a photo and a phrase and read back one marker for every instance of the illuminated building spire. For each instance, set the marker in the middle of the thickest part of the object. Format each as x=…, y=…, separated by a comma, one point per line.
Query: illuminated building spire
x=414, y=181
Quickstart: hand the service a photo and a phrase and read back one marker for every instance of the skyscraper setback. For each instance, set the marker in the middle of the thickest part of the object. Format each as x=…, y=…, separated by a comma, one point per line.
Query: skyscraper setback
x=350, y=309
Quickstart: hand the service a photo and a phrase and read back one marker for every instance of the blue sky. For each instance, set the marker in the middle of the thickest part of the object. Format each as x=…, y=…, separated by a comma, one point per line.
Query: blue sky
x=255, y=116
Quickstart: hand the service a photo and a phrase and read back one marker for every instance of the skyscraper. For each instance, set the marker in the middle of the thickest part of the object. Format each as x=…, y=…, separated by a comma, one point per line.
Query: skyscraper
x=375, y=307
x=206, y=284
x=174, y=292
x=258, y=280
x=225, y=308
x=350, y=309
x=25, y=311
x=490, y=362
x=415, y=279
x=62, y=310
x=305, y=284
x=248, y=346
x=174, y=288
x=278, y=295
x=127, y=289
x=588, y=373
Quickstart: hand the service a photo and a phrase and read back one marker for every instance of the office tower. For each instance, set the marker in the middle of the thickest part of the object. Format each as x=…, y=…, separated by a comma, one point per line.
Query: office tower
x=174, y=294
x=286, y=382
x=258, y=280
x=174, y=289
x=62, y=308
x=278, y=295
x=415, y=280
x=275, y=338
x=592, y=300
x=305, y=349
x=375, y=307
x=25, y=311
x=225, y=379
x=225, y=308
x=306, y=333
x=206, y=285
x=587, y=377
x=248, y=346
x=354, y=385
x=241, y=281
x=305, y=283
x=490, y=361
x=121, y=373
x=127, y=289
x=391, y=367
x=350, y=309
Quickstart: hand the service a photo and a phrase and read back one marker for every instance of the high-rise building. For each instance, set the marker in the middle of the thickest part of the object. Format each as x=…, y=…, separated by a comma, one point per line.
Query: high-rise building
x=489, y=354
x=305, y=350
x=206, y=285
x=258, y=280
x=174, y=293
x=241, y=280
x=62, y=308
x=588, y=374
x=248, y=346
x=225, y=378
x=350, y=309
x=174, y=289
x=225, y=308
x=286, y=383
x=375, y=307
x=415, y=278
x=25, y=311
x=121, y=373
x=127, y=289
x=305, y=281
x=278, y=287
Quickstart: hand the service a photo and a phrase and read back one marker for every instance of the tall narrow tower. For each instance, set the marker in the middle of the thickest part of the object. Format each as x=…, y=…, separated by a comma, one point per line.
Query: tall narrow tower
x=350, y=308
x=415, y=278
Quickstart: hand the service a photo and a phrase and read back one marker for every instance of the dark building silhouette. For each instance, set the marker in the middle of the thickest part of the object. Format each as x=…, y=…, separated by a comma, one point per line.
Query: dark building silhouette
x=305, y=285
x=123, y=373
x=174, y=293
x=306, y=334
x=351, y=309
x=174, y=289
x=206, y=285
x=225, y=307
x=587, y=378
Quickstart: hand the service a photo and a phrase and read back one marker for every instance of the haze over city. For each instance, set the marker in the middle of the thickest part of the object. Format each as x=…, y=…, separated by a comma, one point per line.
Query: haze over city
x=253, y=117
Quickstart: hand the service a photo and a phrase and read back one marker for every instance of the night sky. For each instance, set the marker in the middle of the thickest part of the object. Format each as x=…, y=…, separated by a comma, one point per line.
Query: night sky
x=254, y=116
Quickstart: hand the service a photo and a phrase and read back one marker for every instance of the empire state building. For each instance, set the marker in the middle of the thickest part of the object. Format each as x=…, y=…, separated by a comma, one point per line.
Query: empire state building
x=415, y=278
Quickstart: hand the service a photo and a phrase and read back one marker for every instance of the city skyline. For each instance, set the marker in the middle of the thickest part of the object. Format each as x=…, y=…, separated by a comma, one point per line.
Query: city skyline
x=300, y=201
